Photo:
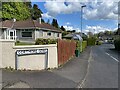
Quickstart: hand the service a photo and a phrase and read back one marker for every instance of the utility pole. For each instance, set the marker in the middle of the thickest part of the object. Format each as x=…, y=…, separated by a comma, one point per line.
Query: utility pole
x=81, y=23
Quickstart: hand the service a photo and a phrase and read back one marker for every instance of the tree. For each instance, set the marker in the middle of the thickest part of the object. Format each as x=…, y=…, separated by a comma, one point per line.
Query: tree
x=48, y=22
x=28, y=4
x=55, y=23
x=62, y=28
x=0, y=10
x=17, y=10
x=84, y=36
x=100, y=34
x=73, y=31
x=36, y=12
x=107, y=33
x=42, y=20
x=90, y=34
x=118, y=31
x=65, y=33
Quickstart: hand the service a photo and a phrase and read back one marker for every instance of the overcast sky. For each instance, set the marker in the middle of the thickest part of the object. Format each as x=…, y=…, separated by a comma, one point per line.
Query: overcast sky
x=97, y=16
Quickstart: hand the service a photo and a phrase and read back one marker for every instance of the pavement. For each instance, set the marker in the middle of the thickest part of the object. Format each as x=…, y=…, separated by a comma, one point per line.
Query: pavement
x=97, y=67
x=69, y=75
x=18, y=85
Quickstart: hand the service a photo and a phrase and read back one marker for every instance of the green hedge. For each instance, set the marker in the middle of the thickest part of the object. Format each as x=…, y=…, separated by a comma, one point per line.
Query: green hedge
x=98, y=42
x=117, y=44
x=84, y=45
x=78, y=46
x=78, y=43
x=41, y=41
x=91, y=41
x=18, y=43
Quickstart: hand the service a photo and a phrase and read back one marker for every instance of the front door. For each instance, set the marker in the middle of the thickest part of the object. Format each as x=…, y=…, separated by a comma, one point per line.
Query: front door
x=12, y=34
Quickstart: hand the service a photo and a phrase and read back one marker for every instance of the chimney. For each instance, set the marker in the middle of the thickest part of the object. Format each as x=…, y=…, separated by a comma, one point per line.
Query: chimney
x=39, y=20
x=14, y=20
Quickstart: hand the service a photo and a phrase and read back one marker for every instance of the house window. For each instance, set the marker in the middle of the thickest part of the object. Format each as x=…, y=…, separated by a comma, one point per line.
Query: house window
x=26, y=34
x=11, y=33
x=49, y=33
x=53, y=34
x=57, y=34
x=41, y=33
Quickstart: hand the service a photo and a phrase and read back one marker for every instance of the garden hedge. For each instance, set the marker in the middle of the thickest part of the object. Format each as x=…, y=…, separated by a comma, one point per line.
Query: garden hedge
x=91, y=41
x=84, y=45
x=41, y=41
x=78, y=46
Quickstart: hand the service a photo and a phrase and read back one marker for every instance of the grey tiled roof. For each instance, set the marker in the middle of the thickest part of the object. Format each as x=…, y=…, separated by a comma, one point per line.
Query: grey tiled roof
x=27, y=24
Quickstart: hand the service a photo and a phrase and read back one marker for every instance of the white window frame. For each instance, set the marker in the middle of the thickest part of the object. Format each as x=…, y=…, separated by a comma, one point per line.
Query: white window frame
x=50, y=33
x=58, y=35
x=26, y=31
x=41, y=33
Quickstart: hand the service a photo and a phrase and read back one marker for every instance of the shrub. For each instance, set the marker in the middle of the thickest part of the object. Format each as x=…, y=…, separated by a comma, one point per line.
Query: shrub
x=17, y=41
x=117, y=44
x=91, y=41
x=9, y=68
x=98, y=42
x=23, y=43
x=78, y=46
x=84, y=45
x=41, y=41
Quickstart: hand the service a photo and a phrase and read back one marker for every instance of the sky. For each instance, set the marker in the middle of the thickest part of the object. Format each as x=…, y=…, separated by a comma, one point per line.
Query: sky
x=96, y=17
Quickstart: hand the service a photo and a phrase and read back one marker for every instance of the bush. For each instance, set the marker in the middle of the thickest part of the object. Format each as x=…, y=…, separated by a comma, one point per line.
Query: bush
x=78, y=46
x=98, y=42
x=84, y=45
x=91, y=41
x=18, y=43
x=117, y=44
x=41, y=41
x=110, y=41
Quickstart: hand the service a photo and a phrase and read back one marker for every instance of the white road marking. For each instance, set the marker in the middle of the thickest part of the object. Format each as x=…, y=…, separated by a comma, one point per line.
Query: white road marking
x=107, y=54
x=112, y=57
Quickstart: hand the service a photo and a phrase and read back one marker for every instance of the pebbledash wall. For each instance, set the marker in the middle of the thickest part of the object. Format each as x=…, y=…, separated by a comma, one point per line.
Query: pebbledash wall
x=38, y=57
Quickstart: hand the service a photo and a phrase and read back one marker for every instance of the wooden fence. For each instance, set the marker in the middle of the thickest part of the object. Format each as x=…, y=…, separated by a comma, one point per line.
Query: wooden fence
x=66, y=49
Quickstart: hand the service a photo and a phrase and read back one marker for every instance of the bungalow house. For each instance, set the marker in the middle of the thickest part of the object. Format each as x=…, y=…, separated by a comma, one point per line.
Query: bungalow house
x=75, y=36
x=28, y=30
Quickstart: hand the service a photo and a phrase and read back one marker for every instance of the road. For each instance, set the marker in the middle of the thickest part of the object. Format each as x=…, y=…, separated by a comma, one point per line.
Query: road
x=103, y=68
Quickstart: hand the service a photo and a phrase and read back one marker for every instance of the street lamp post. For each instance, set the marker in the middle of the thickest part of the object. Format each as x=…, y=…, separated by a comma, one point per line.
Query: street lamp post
x=81, y=22
x=94, y=32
